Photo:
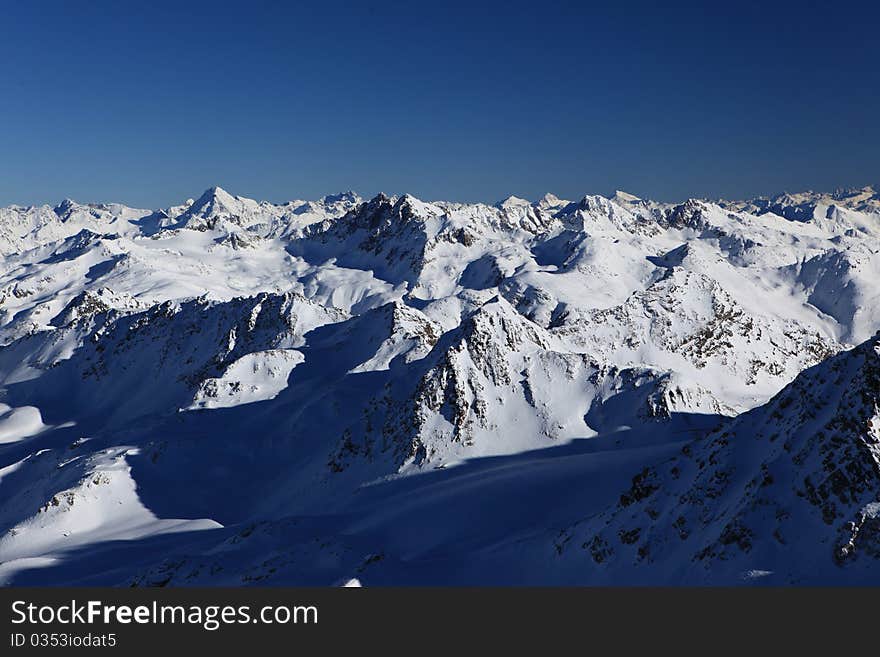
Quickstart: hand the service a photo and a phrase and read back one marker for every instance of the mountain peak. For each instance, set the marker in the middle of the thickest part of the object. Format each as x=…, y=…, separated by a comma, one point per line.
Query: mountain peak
x=215, y=193
x=381, y=198
x=64, y=208
x=624, y=197
x=513, y=202
x=549, y=201
x=342, y=197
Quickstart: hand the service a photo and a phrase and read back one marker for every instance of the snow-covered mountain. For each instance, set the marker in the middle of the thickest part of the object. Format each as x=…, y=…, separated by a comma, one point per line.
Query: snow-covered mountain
x=608, y=390
x=787, y=491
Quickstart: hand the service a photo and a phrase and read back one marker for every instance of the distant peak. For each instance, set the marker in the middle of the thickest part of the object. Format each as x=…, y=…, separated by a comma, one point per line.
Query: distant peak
x=213, y=198
x=342, y=197
x=513, y=202
x=550, y=202
x=624, y=197
x=64, y=208
x=216, y=192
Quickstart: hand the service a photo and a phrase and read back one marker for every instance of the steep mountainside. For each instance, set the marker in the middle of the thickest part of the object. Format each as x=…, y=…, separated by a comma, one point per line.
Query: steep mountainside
x=789, y=491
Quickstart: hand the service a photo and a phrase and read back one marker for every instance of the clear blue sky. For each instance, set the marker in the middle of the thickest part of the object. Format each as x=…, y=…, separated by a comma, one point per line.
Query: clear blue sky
x=150, y=103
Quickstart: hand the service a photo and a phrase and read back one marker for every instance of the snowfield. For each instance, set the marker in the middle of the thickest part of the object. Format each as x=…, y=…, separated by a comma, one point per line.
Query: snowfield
x=392, y=391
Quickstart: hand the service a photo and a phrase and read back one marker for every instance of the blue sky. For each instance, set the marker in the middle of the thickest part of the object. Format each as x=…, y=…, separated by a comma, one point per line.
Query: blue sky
x=150, y=103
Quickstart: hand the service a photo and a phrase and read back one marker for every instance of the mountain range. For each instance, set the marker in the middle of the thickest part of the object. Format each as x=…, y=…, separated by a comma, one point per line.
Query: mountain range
x=609, y=390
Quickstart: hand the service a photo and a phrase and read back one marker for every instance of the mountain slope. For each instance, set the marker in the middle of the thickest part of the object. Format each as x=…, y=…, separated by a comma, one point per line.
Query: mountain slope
x=788, y=491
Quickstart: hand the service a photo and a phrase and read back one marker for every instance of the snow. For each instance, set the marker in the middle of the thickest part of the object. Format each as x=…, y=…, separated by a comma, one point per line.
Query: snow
x=231, y=391
x=254, y=377
x=19, y=423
